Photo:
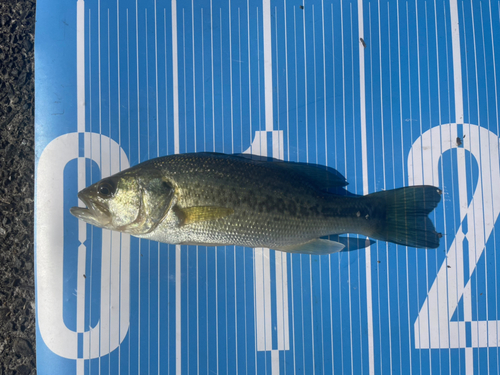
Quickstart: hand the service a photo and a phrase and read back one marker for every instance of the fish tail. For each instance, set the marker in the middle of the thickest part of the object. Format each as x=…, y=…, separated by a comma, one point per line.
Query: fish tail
x=403, y=216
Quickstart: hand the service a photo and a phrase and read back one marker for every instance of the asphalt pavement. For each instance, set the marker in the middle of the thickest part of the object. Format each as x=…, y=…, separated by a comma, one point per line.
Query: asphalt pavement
x=17, y=155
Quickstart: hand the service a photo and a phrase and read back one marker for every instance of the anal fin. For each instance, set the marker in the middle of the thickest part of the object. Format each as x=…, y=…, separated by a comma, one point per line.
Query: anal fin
x=314, y=247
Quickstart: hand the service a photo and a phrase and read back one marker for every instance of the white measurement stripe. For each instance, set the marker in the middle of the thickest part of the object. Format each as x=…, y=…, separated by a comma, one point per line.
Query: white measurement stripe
x=81, y=277
x=295, y=338
x=469, y=360
x=324, y=80
x=82, y=226
x=362, y=109
x=82, y=254
x=204, y=149
x=479, y=206
x=212, y=73
x=306, y=71
x=175, y=99
x=458, y=98
x=349, y=294
x=443, y=299
x=146, y=53
x=393, y=174
x=232, y=150
x=354, y=134
x=80, y=366
x=262, y=274
x=277, y=144
x=184, y=85
x=120, y=237
x=230, y=75
x=286, y=90
x=433, y=331
x=109, y=327
x=453, y=292
x=275, y=362
x=498, y=132
x=262, y=299
x=268, y=63
x=249, y=71
x=225, y=300
x=194, y=78
x=457, y=62
x=240, y=62
x=156, y=83
x=402, y=126
x=223, y=144
x=332, y=338
x=138, y=260
x=487, y=193
x=158, y=322
x=282, y=301
x=442, y=316
x=236, y=350
x=393, y=179
x=99, y=340
x=105, y=292
x=305, y=88
x=344, y=158
x=259, y=101
x=178, y=320
x=411, y=174
x=166, y=74
x=461, y=162
x=315, y=97
x=364, y=163
x=126, y=283
x=80, y=63
x=175, y=77
x=87, y=342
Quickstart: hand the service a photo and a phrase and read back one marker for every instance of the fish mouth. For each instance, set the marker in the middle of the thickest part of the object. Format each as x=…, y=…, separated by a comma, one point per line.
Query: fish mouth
x=95, y=213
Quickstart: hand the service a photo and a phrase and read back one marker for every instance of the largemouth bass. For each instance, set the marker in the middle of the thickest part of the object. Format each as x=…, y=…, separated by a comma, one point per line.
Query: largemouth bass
x=217, y=199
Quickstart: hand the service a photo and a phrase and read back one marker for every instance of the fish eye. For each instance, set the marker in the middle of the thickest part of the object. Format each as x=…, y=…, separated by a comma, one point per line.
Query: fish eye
x=106, y=189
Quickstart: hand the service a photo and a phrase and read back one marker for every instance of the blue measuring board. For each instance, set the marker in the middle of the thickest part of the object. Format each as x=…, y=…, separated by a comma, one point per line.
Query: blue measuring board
x=390, y=94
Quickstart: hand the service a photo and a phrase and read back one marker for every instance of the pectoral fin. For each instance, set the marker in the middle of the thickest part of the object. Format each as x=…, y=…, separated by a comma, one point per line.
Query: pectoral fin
x=190, y=215
x=314, y=247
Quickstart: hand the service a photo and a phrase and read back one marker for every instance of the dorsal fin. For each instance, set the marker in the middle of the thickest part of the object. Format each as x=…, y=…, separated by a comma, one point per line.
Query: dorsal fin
x=320, y=176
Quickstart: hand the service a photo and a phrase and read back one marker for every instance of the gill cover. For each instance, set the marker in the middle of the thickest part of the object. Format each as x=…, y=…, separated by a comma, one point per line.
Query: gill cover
x=157, y=196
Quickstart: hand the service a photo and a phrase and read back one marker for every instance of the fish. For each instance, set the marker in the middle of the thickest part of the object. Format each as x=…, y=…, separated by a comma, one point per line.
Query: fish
x=215, y=199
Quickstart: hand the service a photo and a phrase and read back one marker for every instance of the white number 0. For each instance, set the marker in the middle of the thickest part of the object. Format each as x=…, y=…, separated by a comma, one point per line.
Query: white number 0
x=113, y=323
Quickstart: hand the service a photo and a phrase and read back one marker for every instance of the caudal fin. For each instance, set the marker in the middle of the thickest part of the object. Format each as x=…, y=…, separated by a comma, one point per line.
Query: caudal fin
x=406, y=216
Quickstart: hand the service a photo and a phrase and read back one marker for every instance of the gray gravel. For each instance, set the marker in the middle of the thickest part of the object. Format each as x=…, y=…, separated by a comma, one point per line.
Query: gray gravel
x=17, y=292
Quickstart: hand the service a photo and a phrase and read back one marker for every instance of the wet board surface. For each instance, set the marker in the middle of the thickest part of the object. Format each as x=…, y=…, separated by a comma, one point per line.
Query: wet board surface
x=389, y=94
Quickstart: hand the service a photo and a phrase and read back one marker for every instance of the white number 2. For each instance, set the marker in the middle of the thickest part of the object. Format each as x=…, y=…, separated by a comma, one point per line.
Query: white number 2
x=433, y=327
